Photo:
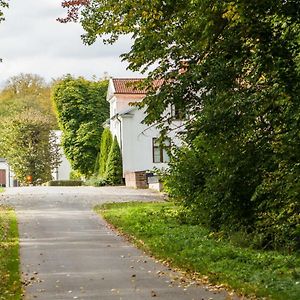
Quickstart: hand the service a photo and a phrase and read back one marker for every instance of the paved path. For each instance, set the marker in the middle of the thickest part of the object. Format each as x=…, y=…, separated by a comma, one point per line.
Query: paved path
x=68, y=252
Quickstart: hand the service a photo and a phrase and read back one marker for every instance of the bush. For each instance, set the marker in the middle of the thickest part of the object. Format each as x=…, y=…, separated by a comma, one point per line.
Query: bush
x=114, y=171
x=185, y=183
x=64, y=183
x=75, y=175
x=231, y=190
x=96, y=182
x=278, y=208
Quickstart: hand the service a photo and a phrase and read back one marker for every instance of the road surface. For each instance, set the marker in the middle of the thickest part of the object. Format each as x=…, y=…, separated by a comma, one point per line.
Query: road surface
x=68, y=252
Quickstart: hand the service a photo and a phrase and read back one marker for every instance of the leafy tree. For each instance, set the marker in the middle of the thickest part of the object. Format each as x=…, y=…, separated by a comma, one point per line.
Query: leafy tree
x=3, y=4
x=105, y=147
x=234, y=66
x=30, y=146
x=24, y=85
x=114, y=170
x=81, y=108
x=25, y=105
x=26, y=91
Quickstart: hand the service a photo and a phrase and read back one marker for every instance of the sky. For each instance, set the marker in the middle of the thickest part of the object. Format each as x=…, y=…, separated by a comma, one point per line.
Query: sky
x=32, y=41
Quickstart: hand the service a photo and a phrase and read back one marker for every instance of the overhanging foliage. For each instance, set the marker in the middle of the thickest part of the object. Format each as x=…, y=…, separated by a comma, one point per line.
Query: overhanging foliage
x=234, y=66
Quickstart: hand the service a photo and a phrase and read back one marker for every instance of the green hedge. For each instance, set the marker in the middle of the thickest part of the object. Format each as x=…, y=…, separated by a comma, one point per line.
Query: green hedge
x=64, y=183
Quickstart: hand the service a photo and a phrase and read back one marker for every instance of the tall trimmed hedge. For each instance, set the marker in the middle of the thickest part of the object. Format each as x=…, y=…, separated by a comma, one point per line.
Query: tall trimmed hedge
x=81, y=109
x=114, y=171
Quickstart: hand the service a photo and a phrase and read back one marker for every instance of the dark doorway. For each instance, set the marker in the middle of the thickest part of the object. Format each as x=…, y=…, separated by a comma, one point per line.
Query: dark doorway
x=3, y=178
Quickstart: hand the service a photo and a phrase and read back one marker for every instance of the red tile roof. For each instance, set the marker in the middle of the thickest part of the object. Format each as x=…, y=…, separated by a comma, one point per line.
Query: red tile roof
x=128, y=85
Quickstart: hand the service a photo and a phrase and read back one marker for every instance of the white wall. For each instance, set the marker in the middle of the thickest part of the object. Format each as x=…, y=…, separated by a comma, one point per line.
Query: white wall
x=137, y=143
x=135, y=139
x=9, y=173
x=64, y=169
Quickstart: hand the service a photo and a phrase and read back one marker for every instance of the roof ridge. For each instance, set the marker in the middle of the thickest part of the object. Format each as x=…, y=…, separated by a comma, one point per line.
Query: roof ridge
x=127, y=78
x=127, y=86
x=130, y=85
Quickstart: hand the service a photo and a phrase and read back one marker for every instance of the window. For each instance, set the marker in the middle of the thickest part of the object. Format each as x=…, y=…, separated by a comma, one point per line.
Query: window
x=177, y=114
x=160, y=151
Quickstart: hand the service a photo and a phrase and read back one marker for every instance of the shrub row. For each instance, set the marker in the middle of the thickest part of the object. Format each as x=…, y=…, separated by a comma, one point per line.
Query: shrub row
x=64, y=183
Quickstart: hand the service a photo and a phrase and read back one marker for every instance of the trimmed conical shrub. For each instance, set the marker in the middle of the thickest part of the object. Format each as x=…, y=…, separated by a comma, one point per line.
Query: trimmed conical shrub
x=114, y=170
x=97, y=165
x=105, y=146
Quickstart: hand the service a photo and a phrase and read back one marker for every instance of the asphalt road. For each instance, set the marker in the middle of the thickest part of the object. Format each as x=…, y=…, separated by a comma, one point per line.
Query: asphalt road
x=68, y=252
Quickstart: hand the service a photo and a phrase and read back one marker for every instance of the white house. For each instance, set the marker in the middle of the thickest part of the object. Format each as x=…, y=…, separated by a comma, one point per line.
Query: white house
x=62, y=172
x=6, y=174
x=138, y=142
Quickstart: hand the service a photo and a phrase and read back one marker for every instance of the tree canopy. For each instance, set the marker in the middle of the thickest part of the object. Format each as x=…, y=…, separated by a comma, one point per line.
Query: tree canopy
x=3, y=4
x=234, y=68
x=236, y=45
x=26, y=91
x=30, y=146
x=81, y=108
x=27, y=120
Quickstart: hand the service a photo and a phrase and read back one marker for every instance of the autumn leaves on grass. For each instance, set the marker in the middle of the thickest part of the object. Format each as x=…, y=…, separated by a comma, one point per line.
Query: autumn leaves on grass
x=10, y=285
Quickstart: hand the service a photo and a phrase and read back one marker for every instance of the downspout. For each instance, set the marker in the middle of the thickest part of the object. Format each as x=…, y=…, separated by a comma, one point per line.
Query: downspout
x=120, y=122
x=121, y=142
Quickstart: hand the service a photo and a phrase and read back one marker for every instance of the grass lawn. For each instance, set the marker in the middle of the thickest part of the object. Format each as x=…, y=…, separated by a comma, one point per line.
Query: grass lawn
x=153, y=227
x=10, y=284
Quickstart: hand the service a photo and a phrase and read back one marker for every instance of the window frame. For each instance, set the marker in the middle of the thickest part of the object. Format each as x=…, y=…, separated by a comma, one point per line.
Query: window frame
x=177, y=114
x=156, y=145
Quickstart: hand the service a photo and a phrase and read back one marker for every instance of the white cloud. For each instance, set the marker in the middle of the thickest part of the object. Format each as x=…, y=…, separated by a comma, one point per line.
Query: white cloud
x=32, y=41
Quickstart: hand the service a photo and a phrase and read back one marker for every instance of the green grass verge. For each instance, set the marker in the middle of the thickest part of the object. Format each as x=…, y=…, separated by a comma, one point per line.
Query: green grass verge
x=154, y=227
x=1, y=189
x=10, y=284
